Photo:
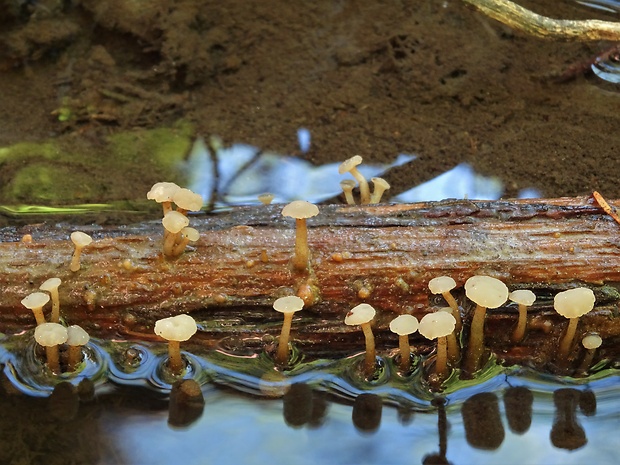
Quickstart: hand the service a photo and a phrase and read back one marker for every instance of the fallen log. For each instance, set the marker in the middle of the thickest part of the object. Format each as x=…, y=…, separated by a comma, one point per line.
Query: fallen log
x=383, y=255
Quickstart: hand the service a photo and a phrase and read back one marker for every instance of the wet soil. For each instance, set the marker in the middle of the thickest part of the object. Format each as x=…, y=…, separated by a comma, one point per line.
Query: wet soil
x=368, y=77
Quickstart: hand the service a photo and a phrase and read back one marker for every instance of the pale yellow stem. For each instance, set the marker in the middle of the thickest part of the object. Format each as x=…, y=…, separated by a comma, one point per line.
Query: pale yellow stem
x=300, y=260
x=175, y=362
x=455, y=310
x=55, y=317
x=53, y=362
x=567, y=340
x=476, y=340
x=363, y=184
x=441, y=363
x=519, y=331
x=453, y=348
x=75, y=260
x=38, y=315
x=405, y=352
x=282, y=354
x=370, y=360
x=75, y=357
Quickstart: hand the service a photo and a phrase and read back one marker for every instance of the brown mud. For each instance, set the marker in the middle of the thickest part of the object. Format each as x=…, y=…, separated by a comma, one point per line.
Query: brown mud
x=374, y=78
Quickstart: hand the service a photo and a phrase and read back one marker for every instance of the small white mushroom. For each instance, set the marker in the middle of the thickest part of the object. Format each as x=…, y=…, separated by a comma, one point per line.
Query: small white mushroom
x=362, y=315
x=266, y=198
x=173, y=223
x=524, y=298
x=438, y=325
x=404, y=325
x=287, y=306
x=162, y=192
x=176, y=329
x=35, y=302
x=572, y=304
x=350, y=166
x=80, y=240
x=485, y=292
x=187, y=235
x=380, y=186
x=347, y=187
x=443, y=285
x=590, y=342
x=51, y=286
x=50, y=335
x=76, y=338
x=301, y=210
x=187, y=200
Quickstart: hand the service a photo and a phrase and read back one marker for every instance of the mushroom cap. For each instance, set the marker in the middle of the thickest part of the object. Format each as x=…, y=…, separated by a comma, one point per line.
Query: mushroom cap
x=592, y=341
x=347, y=185
x=80, y=239
x=35, y=300
x=176, y=328
x=50, y=284
x=574, y=302
x=441, y=284
x=77, y=336
x=266, y=198
x=404, y=325
x=175, y=221
x=289, y=304
x=486, y=291
x=192, y=234
x=50, y=334
x=359, y=314
x=523, y=297
x=381, y=183
x=162, y=191
x=437, y=324
x=187, y=200
x=349, y=164
x=300, y=209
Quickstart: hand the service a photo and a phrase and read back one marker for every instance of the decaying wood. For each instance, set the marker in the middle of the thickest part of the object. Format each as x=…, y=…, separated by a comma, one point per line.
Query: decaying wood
x=383, y=255
x=524, y=20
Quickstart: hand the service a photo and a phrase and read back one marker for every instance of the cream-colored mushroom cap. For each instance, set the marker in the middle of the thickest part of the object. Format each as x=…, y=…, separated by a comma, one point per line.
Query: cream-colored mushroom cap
x=289, y=304
x=349, y=164
x=192, y=234
x=441, y=284
x=266, y=198
x=175, y=221
x=187, y=200
x=380, y=183
x=359, y=314
x=437, y=324
x=35, y=300
x=404, y=325
x=592, y=341
x=80, y=239
x=77, y=336
x=50, y=284
x=347, y=184
x=162, y=191
x=574, y=302
x=300, y=209
x=50, y=334
x=486, y=291
x=523, y=297
x=176, y=328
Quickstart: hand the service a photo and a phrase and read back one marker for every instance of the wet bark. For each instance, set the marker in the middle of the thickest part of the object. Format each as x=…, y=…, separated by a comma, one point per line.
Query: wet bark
x=383, y=255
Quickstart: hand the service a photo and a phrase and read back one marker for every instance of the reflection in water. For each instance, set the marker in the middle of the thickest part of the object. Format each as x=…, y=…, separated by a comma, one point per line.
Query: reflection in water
x=518, y=403
x=566, y=432
x=482, y=421
x=442, y=428
x=297, y=405
x=367, y=410
x=186, y=403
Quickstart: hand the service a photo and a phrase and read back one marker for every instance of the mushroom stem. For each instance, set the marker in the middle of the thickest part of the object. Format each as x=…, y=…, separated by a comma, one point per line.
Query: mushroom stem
x=476, y=339
x=282, y=354
x=53, y=359
x=441, y=364
x=405, y=352
x=364, y=188
x=347, y=187
x=169, y=240
x=179, y=248
x=567, y=340
x=519, y=331
x=75, y=357
x=453, y=348
x=370, y=360
x=455, y=310
x=55, y=316
x=300, y=259
x=75, y=259
x=586, y=362
x=38, y=315
x=166, y=206
x=175, y=362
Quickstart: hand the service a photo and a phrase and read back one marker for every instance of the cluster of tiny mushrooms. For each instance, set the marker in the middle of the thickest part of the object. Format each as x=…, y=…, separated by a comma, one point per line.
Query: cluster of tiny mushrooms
x=444, y=325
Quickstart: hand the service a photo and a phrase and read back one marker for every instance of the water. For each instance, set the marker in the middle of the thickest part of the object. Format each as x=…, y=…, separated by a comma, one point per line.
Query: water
x=323, y=411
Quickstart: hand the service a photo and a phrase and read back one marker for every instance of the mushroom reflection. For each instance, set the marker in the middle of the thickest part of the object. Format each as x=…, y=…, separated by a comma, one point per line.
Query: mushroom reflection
x=482, y=421
x=566, y=432
x=587, y=402
x=63, y=402
x=297, y=405
x=186, y=403
x=442, y=427
x=518, y=404
x=367, y=410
